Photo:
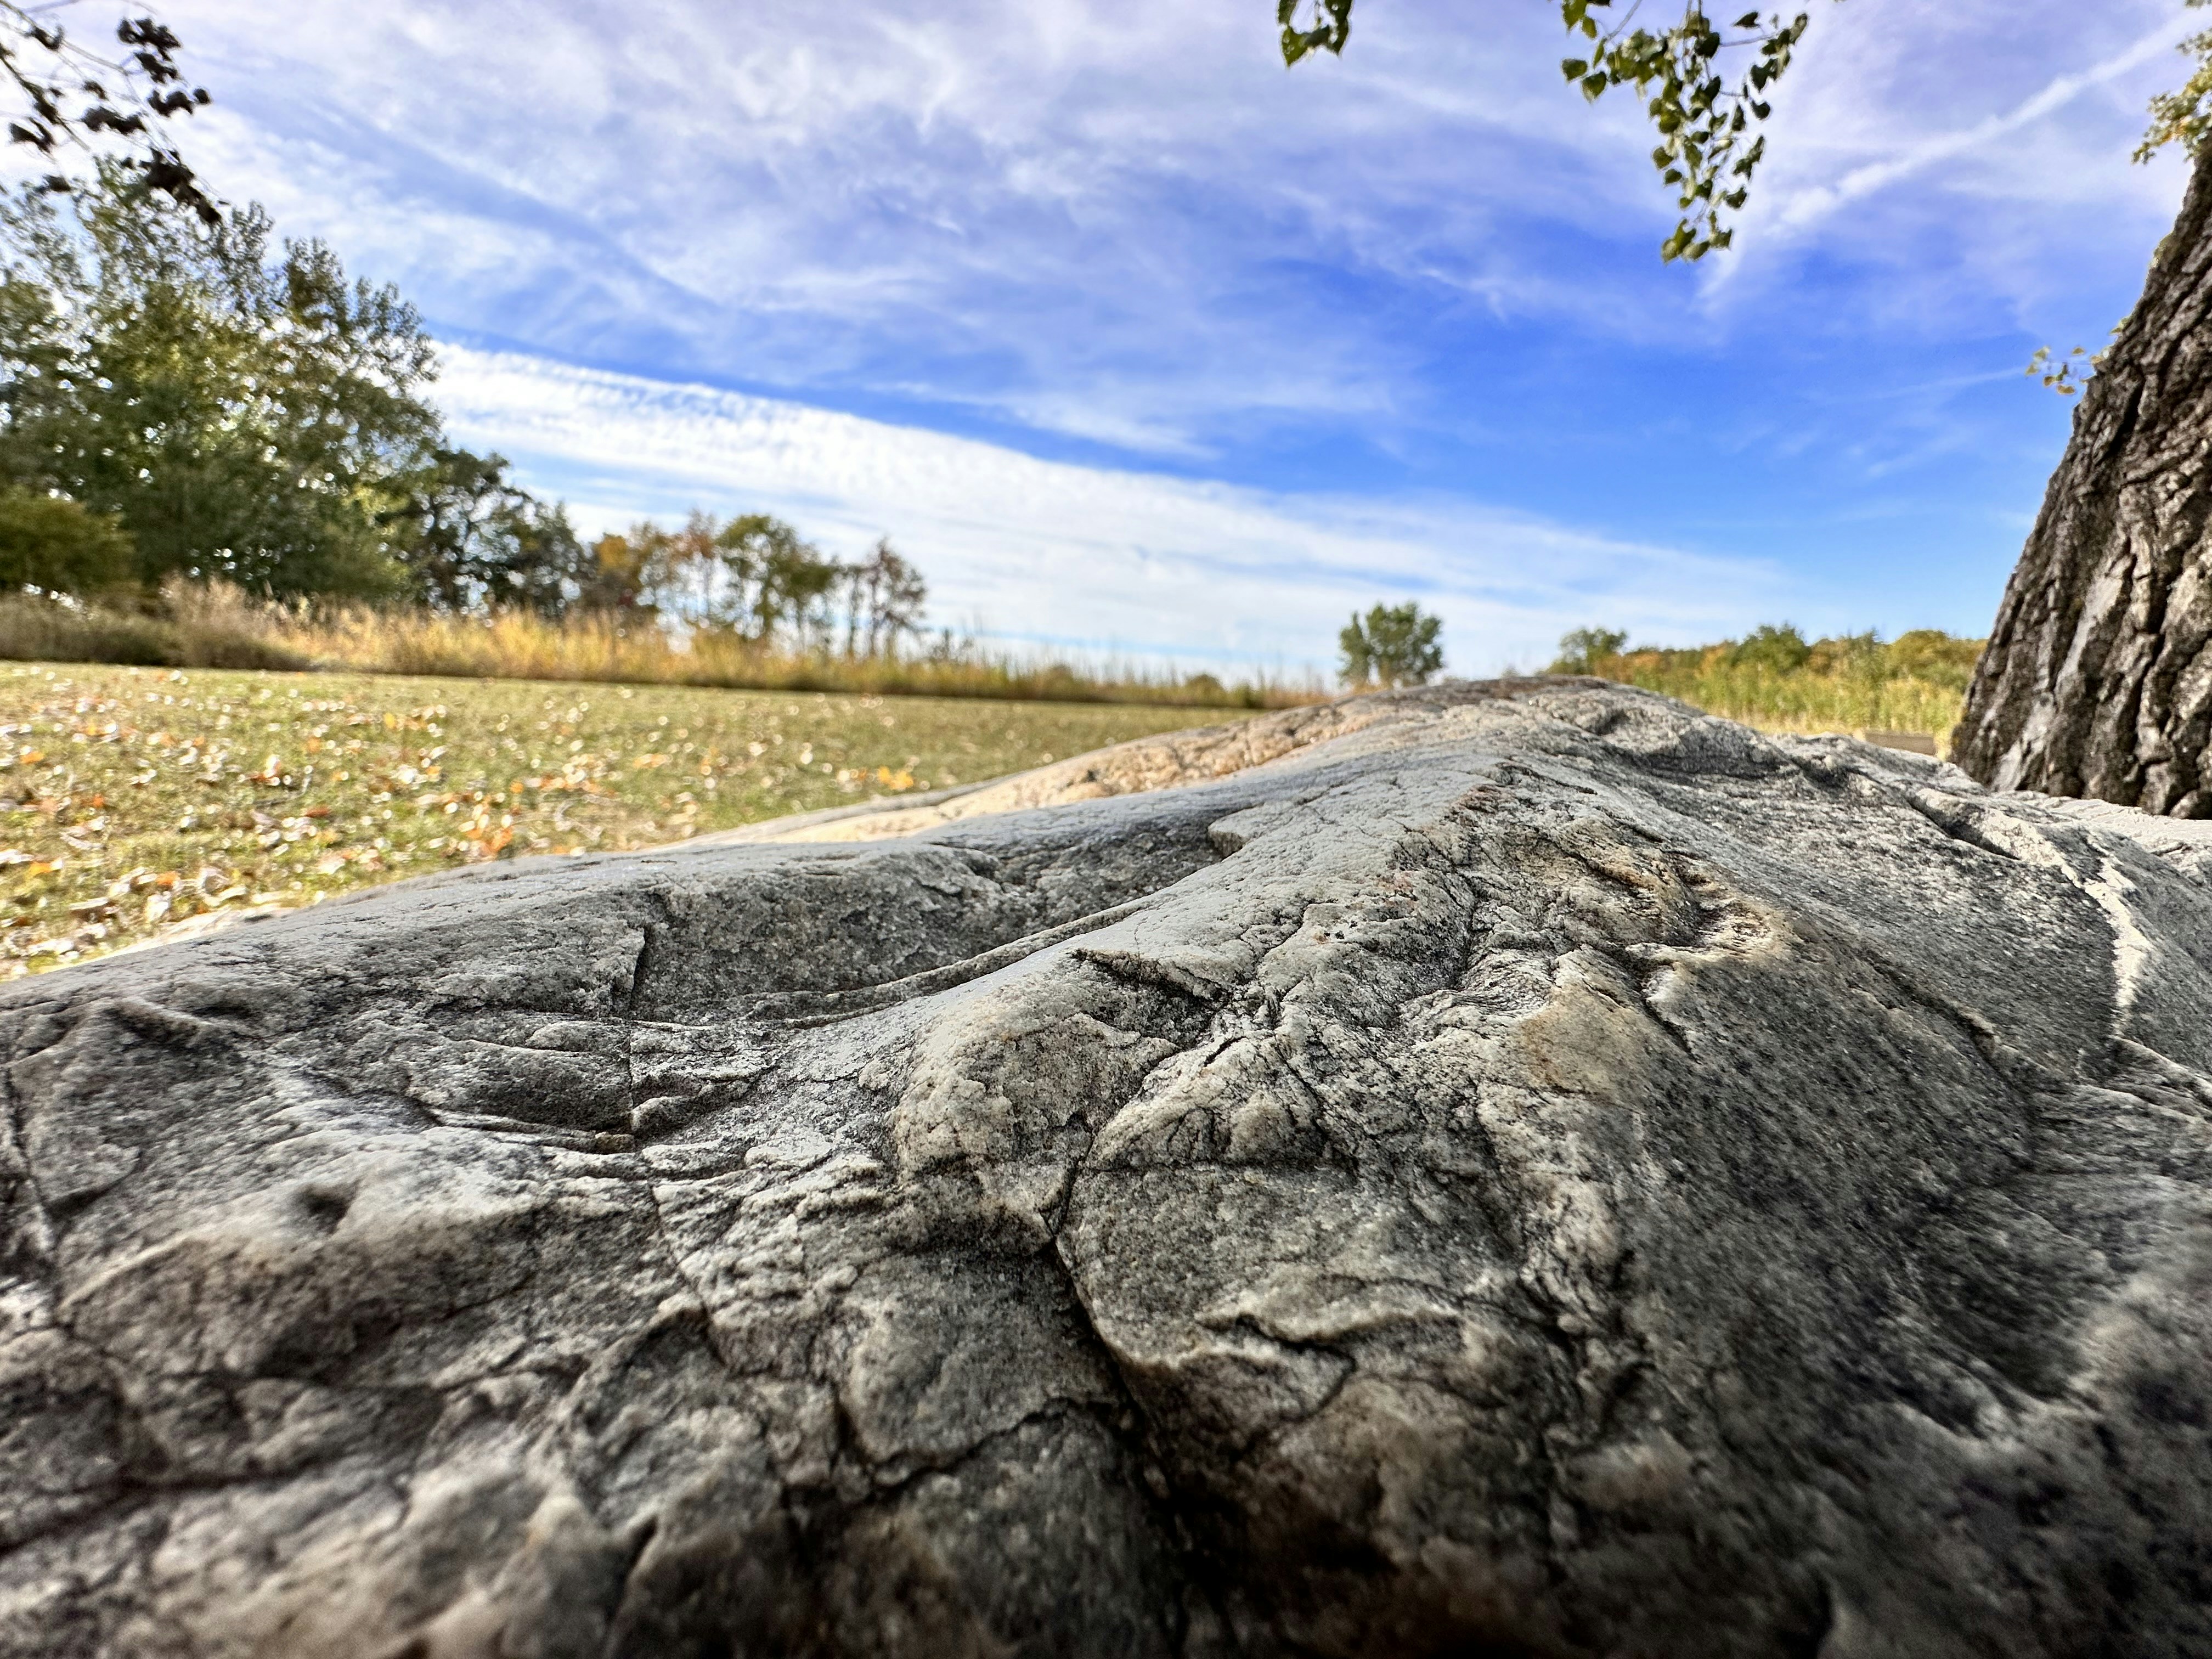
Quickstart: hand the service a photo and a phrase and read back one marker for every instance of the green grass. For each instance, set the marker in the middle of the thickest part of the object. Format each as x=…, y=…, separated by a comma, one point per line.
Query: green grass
x=133, y=798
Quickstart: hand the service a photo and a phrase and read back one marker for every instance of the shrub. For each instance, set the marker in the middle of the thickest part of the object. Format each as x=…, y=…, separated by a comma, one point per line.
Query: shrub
x=61, y=546
x=1780, y=649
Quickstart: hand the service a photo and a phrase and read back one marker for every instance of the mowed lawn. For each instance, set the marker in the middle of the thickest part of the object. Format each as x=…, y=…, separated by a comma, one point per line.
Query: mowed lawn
x=133, y=799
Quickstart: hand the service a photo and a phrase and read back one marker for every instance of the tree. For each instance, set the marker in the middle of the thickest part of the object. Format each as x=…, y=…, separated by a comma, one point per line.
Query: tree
x=51, y=542
x=1779, y=649
x=781, y=580
x=661, y=572
x=1581, y=649
x=618, y=573
x=2091, y=683
x=246, y=414
x=1392, y=644
x=470, y=537
x=883, y=597
x=74, y=103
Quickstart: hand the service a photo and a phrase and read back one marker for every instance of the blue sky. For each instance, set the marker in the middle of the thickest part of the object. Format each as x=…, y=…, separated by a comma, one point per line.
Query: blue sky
x=1139, y=342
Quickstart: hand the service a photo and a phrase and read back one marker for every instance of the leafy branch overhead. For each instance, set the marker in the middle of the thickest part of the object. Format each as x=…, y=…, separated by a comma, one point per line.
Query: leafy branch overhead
x=2184, y=116
x=71, y=99
x=1332, y=28
x=1708, y=149
x=1703, y=121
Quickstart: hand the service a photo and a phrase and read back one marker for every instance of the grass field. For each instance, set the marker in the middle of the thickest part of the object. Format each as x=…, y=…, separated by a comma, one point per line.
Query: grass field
x=134, y=799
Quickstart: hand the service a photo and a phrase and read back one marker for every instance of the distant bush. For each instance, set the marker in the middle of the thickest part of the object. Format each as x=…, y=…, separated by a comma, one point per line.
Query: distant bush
x=194, y=630
x=1782, y=649
x=1930, y=654
x=35, y=628
x=60, y=546
x=1581, y=649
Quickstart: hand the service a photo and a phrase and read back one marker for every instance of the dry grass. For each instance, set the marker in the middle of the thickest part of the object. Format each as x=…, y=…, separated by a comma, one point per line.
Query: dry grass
x=1916, y=682
x=219, y=627
x=132, y=799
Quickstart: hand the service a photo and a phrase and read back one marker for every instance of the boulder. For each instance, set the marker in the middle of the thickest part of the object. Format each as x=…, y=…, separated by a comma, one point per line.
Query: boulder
x=1523, y=1169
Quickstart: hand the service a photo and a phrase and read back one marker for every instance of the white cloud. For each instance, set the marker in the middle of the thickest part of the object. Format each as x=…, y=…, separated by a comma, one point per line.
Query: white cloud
x=1970, y=161
x=1102, y=560
x=1126, y=223
x=1806, y=208
x=1102, y=221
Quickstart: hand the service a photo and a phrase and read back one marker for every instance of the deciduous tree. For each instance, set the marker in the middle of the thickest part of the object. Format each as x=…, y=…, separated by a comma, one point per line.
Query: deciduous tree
x=883, y=598
x=784, y=579
x=1583, y=650
x=470, y=537
x=1707, y=86
x=247, y=412
x=1391, y=645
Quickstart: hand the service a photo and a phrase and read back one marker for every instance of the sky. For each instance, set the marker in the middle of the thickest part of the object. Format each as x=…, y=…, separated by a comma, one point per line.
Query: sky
x=1144, y=346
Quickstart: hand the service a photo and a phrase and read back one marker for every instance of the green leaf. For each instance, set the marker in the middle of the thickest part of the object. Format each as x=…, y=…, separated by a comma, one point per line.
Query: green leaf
x=1573, y=68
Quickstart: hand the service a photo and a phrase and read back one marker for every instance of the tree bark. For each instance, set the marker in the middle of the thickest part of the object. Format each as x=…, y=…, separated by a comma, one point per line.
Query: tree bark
x=2098, y=677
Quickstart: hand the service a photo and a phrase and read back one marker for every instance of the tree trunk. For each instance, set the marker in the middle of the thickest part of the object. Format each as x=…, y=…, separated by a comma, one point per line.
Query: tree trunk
x=2098, y=678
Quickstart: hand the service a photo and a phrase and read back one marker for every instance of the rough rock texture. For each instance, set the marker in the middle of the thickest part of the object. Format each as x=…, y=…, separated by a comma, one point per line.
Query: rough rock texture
x=1544, y=1173
x=2098, y=677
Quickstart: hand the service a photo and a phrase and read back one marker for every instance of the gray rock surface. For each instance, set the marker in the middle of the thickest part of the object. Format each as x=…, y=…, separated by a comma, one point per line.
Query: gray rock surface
x=1529, y=1171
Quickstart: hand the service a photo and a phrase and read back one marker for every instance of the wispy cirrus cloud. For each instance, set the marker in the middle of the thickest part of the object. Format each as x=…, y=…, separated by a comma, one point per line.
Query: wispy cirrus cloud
x=1095, y=558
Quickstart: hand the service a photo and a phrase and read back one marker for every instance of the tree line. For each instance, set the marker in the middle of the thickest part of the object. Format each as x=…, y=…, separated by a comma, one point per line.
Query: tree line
x=753, y=577
x=182, y=397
